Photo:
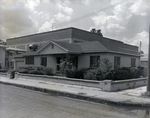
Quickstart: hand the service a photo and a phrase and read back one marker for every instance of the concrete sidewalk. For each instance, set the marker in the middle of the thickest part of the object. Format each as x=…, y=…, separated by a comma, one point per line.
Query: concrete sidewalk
x=132, y=97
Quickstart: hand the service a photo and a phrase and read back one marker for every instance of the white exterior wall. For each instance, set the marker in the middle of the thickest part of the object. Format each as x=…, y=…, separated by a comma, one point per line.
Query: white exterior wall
x=125, y=60
x=51, y=62
x=2, y=56
x=84, y=60
x=19, y=62
x=37, y=61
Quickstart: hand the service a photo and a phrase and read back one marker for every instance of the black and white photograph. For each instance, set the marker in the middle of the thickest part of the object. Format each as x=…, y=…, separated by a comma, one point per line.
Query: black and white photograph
x=74, y=59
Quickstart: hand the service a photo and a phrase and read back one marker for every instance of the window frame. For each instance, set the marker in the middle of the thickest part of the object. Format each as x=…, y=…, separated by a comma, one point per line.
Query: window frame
x=117, y=62
x=29, y=60
x=97, y=58
x=133, y=62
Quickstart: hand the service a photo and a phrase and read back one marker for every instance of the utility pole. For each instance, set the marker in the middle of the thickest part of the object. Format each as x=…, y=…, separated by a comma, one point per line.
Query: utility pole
x=148, y=79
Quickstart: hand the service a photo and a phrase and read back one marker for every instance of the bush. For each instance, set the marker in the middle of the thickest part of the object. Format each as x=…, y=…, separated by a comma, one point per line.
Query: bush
x=90, y=75
x=75, y=73
x=124, y=73
x=3, y=70
x=48, y=71
x=35, y=72
x=25, y=69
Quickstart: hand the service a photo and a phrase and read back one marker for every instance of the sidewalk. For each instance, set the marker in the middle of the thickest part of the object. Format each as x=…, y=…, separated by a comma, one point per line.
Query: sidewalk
x=130, y=97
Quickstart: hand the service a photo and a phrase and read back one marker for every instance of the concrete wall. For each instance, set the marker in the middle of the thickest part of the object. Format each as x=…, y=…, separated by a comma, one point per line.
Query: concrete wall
x=108, y=85
x=2, y=56
x=84, y=60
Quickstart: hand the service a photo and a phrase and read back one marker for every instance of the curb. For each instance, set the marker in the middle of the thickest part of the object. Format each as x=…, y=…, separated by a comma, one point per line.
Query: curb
x=77, y=96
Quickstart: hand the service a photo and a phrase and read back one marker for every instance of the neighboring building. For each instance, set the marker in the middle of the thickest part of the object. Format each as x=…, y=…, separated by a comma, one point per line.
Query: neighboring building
x=81, y=47
x=9, y=56
x=144, y=63
x=2, y=56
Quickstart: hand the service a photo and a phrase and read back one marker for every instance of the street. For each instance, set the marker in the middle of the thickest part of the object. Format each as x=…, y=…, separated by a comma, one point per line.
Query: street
x=17, y=102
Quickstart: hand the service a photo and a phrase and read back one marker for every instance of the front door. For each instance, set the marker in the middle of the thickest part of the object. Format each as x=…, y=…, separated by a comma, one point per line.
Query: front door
x=58, y=63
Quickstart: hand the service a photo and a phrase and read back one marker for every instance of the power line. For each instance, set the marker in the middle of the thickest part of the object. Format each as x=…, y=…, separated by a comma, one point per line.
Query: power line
x=85, y=16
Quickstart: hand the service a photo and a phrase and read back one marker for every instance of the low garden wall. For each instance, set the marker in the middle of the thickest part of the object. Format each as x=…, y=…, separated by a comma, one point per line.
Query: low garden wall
x=106, y=85
x=60, y=79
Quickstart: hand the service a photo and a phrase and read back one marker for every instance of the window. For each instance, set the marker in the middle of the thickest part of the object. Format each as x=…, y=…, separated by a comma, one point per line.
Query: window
x=94, y=61
x=44, y=61
x=133, y=60
x=30, y=60
x=116, y=62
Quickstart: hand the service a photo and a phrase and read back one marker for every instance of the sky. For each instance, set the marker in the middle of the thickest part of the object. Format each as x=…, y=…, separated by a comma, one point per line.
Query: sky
x=123, y=20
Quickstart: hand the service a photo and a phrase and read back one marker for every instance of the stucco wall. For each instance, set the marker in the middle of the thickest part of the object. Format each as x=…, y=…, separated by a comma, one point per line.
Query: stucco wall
x=2, y=56
x=19, y=62
x=125, y=60
x=51, y=62
x=84, y=60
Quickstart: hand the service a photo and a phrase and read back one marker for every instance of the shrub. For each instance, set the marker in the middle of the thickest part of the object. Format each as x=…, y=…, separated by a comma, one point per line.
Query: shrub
x=124, y=73
x=75, y=73
x=35, y=72
x=48, y=71
x=3, y=70
x=90, y=75
x=25, y=69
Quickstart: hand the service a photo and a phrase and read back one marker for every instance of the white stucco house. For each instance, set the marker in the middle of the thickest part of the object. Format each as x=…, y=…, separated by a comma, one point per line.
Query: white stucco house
x=82, y=48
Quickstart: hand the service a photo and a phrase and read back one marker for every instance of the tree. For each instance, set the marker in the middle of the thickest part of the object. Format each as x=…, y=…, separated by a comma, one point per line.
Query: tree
x=99, y=32
x=93, y=30
x=96, y=31
x=33, y=47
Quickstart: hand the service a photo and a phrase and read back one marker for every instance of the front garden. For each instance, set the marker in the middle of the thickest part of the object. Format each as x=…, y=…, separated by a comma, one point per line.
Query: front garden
x=101, y=71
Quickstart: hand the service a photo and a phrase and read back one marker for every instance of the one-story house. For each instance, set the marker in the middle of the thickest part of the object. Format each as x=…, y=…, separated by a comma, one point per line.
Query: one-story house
x=82, y=48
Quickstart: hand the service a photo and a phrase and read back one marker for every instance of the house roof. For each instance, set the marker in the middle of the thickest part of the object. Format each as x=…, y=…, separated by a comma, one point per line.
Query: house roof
x=92, y=46
x=70, y=47
x=120, y=47
x=91, y=42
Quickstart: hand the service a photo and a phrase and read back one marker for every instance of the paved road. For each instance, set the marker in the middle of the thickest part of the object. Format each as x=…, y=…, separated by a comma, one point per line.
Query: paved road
x=17, y=102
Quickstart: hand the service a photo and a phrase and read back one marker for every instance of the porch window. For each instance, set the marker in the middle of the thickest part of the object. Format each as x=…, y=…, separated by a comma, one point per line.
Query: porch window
x=133, y=61
x=44, y=61
x=116, y=62
x=94, y=61
x=29, y=60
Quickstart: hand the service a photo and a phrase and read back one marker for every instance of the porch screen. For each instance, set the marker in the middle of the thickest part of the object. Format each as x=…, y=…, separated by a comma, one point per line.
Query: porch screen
x=29, y=60
x=44, y=61
x=94, y=61
x=116, y=62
